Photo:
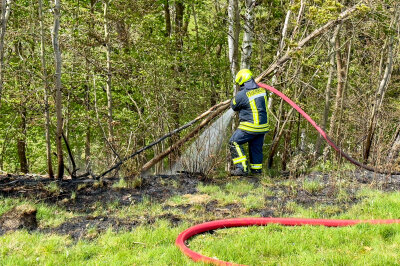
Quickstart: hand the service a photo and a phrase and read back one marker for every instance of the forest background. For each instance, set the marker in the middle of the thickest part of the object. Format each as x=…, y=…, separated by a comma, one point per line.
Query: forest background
x=112, y=76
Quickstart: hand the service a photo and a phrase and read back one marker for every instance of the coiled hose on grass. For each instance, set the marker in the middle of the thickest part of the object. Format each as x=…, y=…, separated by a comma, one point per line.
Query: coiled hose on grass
x=239, y=222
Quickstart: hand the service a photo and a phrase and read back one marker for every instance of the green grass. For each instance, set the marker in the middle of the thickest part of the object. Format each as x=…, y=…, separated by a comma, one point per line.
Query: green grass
x=47, y=216
x=145, y=245
x=307, y=245
x=154, y=244
x=362, y=244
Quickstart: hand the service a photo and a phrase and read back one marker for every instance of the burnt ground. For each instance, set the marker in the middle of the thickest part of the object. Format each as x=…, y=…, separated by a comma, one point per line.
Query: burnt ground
x=85, y=197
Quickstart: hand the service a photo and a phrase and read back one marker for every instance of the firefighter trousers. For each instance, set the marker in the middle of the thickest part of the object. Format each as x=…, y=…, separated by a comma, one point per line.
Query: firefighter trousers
x=255, y=142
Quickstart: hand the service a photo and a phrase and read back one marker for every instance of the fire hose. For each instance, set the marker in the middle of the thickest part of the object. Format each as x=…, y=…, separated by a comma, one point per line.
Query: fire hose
x=323, y=133
x=239, y=222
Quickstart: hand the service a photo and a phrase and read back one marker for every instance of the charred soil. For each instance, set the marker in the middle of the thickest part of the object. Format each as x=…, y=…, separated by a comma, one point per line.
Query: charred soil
x=85, y=197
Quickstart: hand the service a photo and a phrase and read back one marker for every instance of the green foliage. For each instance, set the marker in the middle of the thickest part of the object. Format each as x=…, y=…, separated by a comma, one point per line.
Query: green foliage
x=158, y=85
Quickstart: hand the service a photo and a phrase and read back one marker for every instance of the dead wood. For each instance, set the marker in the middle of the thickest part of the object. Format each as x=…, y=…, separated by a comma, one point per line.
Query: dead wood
x=188, y=137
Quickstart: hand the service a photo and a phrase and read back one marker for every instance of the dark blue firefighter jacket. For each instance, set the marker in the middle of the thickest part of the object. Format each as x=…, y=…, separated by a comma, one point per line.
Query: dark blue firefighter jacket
x=251, y=102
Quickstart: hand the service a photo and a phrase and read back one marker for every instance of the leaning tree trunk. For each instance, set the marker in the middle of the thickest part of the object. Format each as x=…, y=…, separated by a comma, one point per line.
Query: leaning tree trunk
x=57, y=56
x=46, y=93
x=5, y=14
x=247, y=46
x=378, y=99
x=108, y=83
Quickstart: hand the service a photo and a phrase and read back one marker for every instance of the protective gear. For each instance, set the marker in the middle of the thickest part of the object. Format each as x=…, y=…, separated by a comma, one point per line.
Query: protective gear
x=238, y=172
x=252, y=102
x=243, y=76
x=256, y=142
x=256, y=172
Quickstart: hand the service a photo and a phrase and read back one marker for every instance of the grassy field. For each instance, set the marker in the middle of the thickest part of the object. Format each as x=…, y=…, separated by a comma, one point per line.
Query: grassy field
x=158, y=222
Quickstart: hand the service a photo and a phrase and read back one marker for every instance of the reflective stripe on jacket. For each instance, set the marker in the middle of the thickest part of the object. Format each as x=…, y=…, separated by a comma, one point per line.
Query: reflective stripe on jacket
x=251, y=102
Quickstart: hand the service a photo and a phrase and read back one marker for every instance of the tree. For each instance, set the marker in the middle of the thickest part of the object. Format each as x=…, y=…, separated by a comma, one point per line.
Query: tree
x=58, y=98
x=247, y=45
x=5, y=14
x=46, y=92
x=233, y=38
x=106, y=4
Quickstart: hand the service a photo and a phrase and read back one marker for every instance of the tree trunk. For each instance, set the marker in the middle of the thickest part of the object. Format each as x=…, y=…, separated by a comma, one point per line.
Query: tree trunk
x=346, y=76
x=46, y=93
x=108, y=82
x=380, y=94
x=88, y=121
x=332, y=42
x=287, y=146
x=340, y=83
x=5, y=14
x=278, y=52
x=275, y=142
x=179, y=9
x=247, y=46
x=87, y=97
x=178, y=69
x=277, y=132
x=57, y=56
x=233, y=38
x=167, y=19
x=21, y=142
x=395, y=147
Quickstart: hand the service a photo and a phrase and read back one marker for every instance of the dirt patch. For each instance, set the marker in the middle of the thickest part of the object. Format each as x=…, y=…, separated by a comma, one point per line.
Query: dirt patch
x=84, y=196
x=19, y=217
x=335, y=192
x=89, y=227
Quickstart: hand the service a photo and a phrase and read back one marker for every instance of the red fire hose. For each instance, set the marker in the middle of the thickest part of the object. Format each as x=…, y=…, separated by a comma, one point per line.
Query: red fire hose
x=323, y=133
x=201, y=228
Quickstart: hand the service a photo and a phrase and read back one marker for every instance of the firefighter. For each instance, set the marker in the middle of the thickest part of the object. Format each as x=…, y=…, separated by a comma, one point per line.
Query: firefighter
x=251, y=102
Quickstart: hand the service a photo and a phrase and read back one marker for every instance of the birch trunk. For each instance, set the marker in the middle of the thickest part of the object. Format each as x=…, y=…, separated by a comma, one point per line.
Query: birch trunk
x=281, y=46
x=233, y=38
x=247, y=46
x=46, y=93
x=57, y=56
x=5, y=14
x=380, y=94
x=108, y=83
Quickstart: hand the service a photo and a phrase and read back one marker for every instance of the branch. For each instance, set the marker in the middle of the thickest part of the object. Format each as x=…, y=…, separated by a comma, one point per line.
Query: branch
x=179, y=143
x=288, y=55
x=117, y=165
